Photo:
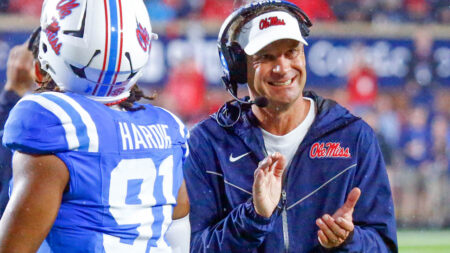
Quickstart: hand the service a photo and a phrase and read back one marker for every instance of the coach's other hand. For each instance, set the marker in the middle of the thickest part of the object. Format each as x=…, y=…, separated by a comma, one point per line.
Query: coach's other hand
x=335, y=229
x=267, y=185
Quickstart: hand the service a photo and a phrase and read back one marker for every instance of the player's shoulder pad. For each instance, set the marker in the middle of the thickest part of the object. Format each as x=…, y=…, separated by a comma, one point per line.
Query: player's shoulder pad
x=176, y=122
x=182, y=132
x=50, y=122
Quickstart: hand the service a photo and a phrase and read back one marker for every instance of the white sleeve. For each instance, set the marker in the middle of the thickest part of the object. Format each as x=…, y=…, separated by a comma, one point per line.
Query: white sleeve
x=178, y=235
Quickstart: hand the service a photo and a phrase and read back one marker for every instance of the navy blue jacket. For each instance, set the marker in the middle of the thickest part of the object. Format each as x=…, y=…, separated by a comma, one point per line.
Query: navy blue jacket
x=339, y=152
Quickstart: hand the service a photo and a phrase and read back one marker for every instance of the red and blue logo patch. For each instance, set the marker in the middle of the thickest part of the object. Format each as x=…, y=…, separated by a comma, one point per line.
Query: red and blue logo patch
x=143, y=37
x=52, y=35
x=329, y=150
x=65, y=7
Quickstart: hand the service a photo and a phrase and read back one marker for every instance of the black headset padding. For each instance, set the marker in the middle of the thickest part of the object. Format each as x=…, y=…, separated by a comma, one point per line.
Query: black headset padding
x=232, y=52
x=238, y=64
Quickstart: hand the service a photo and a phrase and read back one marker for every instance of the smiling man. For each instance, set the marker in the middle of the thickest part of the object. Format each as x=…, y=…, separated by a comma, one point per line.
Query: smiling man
x=283, y=170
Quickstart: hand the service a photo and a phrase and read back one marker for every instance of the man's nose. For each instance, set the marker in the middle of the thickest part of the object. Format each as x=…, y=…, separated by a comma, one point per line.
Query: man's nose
x=281, y=65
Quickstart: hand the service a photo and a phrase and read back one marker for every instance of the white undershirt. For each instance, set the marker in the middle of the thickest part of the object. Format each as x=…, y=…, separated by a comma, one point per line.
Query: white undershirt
x=288, y=144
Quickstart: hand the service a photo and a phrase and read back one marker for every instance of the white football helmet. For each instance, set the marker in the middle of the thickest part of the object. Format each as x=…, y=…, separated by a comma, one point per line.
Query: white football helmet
x=97, y=48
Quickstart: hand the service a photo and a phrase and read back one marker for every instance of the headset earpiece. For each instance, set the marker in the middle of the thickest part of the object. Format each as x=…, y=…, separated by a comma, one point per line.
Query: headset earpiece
x=239, y=63
x=304, y=29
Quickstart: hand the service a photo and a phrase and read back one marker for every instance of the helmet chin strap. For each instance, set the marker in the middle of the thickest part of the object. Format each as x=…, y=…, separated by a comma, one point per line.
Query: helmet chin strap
x=116, y=102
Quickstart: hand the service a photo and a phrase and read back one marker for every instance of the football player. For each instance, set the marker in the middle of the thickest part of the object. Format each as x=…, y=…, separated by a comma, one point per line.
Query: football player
x=94, y=171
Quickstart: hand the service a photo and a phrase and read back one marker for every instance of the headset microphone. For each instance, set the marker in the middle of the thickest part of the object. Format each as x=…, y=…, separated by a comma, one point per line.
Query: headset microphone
x=223, y=111
x=258, y=101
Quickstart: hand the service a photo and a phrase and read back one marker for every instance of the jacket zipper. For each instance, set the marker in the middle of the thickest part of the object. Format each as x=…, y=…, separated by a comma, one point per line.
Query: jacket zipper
x=285, y=224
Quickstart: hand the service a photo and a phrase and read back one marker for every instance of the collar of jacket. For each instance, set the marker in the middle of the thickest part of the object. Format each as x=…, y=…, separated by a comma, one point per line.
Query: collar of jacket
x=330, y=116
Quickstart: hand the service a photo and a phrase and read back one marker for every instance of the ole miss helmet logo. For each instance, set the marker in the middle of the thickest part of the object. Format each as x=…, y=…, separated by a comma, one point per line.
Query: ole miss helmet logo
x=143, y=37
x=329, y=150
x=65, y=7
x=270, y=21
x=52, y=35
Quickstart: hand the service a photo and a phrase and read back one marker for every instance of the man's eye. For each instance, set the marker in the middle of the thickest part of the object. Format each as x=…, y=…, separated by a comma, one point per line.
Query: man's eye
x=292, y=52
x=264, y=57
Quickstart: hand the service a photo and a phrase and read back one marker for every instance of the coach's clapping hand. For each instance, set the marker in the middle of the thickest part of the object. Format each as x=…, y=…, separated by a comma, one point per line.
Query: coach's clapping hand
x=335, y=229
x=268, y=183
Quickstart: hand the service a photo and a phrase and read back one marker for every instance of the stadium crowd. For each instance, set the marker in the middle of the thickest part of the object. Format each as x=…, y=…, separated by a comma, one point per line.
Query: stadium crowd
x=414, y=134
x=394, y=11
x=412, y=122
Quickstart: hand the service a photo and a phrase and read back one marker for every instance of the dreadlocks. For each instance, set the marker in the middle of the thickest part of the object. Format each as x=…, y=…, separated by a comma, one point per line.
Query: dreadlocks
x=135, y=95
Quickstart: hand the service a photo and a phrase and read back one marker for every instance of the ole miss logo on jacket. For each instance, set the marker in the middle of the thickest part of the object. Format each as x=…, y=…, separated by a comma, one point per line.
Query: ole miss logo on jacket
x=329, y=150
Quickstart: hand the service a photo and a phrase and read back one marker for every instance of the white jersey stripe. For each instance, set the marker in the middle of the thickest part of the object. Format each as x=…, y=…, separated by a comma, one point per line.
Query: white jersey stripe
x=183, y=131
x=167, y=214
x=180, y=124
x=66, y=121
x=85, y=117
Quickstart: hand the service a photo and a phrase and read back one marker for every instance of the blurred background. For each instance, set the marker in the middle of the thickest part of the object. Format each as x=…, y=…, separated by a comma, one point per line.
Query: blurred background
x=388, y=61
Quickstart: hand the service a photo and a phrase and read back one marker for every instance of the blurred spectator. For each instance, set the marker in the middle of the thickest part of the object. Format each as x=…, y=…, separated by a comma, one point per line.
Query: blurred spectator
x=216, y=10
x=389, y=11
x=435, y=175
x=388, y=125
x=441, y=11
x=388, y=120
x=19, y=81
x=26, y=7
x=421, y=79
x=440, y=130
x=341, y=96
x=160, y=11
x=316, y=10
x=422, y=65
x=371, y=118
x=415, y=138
x=417, y=11
x=362, y=80
x=167, y=10
x=185, y=91
x=415, y=143
x=4, y=5
x=349, y=10
x=214, y=99
x=442, y=104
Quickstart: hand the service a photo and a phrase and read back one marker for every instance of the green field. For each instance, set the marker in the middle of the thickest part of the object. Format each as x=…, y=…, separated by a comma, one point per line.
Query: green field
x=424, y=241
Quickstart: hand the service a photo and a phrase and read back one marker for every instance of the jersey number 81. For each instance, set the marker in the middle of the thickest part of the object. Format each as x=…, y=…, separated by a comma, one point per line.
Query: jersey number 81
x=133, y=205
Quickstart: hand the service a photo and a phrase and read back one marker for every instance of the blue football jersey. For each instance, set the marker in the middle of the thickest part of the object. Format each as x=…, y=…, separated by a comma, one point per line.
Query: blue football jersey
x=125, y=169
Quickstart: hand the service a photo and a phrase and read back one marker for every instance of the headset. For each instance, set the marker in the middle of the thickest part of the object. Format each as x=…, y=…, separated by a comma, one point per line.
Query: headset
x=232, y=56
